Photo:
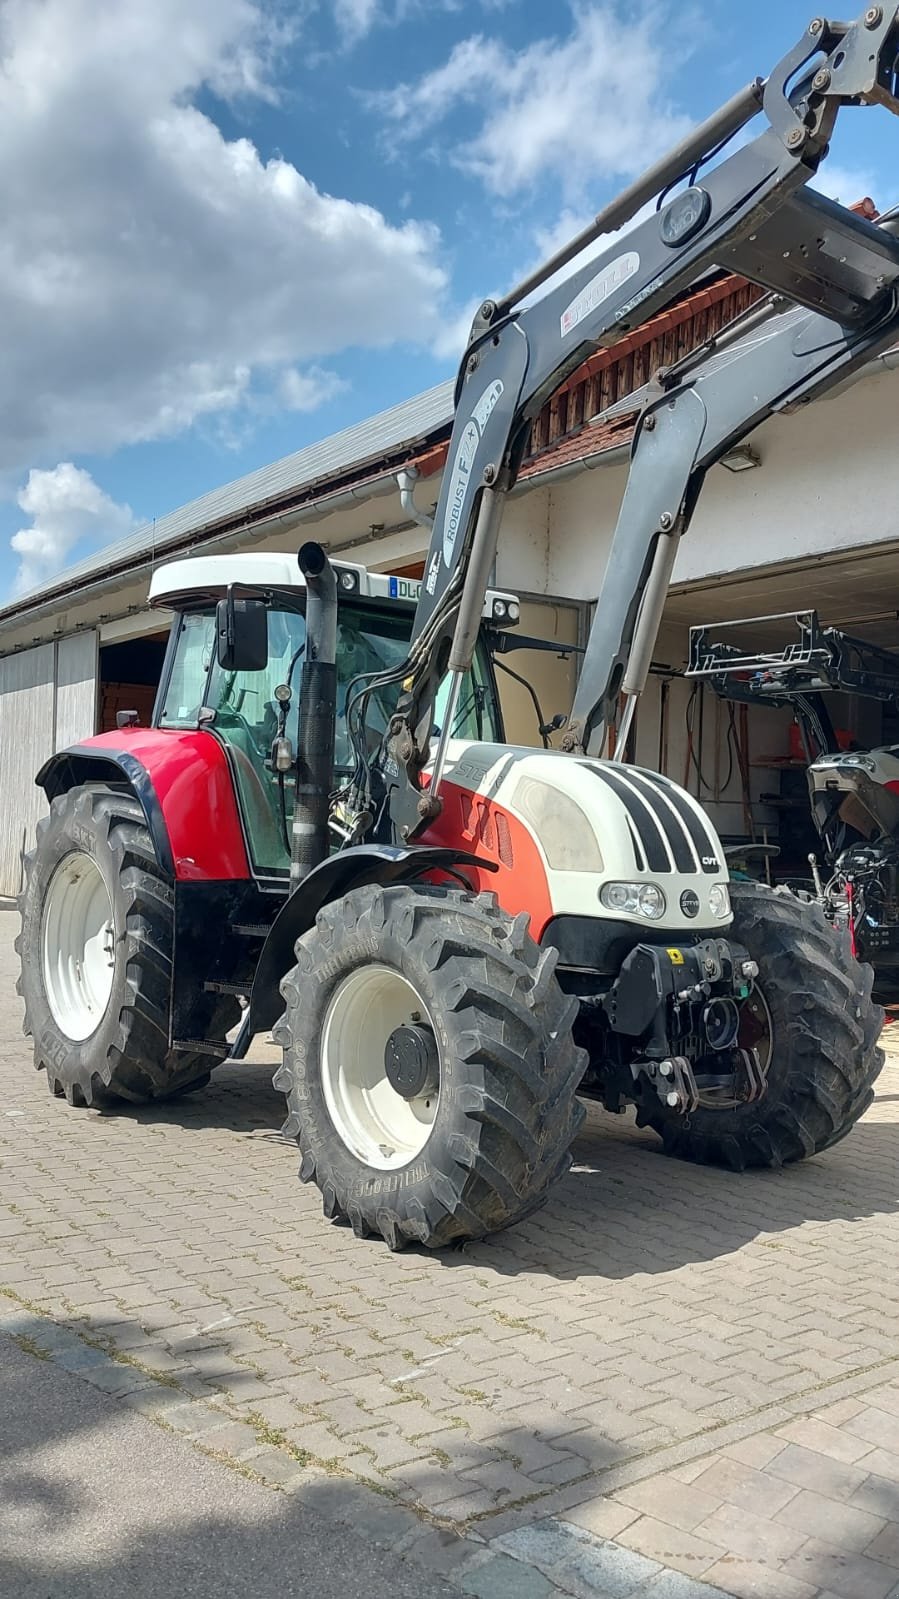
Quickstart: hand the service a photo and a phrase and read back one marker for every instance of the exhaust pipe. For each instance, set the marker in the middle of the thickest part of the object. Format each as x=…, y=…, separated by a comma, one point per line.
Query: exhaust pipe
x=318, y=703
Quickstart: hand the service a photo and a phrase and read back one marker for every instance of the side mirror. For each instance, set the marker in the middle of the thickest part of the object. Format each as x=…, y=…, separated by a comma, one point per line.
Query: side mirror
x=241, y=634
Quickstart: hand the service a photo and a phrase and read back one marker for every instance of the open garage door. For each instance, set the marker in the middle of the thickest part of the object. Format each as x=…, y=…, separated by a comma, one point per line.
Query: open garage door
x=745, y=762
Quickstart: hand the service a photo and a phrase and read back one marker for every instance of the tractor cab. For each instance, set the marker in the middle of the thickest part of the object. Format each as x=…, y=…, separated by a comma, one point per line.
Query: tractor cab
x=253, y=710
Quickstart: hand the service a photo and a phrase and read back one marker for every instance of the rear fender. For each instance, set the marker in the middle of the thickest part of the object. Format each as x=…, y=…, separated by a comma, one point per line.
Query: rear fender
x=351, y=868
x=183, y=784
x=72, y=767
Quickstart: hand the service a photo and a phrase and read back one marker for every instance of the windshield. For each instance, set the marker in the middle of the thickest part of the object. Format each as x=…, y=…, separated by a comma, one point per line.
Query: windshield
x=247, y=711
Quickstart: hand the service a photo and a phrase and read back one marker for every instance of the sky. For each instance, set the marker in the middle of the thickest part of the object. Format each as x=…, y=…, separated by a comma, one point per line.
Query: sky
x=233, y=227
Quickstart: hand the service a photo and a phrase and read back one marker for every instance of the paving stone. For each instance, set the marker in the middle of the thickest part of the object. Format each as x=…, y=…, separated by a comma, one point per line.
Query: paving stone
x=685, y=1551
x=743, y=1486
x=807, y=1469
x=670, y=1501
x=878, y=1428
x=747, y=1579
x=886, y=1545
x=232, y=1439
x=439, y=1549
x=835, y=1415
x=820, y=1517
x=837, y=1442
x=604, y=1518
x=566, y=1470
x=880, y=1496
x=757, y=1450
x=850, y=1576
x=881, y=1463
x=582, y=1565
x=885, y=1398
x=753, y=1537
x=674, y=1585
x=501, y=1577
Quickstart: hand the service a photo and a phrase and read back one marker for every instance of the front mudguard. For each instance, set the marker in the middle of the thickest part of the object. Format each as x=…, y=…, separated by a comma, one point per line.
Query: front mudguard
x=362, y=864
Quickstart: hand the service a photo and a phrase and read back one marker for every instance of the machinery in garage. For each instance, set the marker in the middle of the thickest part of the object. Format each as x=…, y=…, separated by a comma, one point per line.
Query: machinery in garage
x=455, y=936
x=853, y=793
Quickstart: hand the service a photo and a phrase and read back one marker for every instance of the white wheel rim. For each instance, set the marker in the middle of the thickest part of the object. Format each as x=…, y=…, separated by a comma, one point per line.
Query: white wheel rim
x=376, y=1123
x=78, y=946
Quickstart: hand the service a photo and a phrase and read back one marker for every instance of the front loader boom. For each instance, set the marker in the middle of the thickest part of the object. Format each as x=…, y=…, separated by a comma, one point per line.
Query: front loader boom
x=753, y=214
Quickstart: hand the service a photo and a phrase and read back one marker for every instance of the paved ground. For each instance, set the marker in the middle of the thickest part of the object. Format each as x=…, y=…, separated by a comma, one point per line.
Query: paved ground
x=96, y=1502
x=667, y=1370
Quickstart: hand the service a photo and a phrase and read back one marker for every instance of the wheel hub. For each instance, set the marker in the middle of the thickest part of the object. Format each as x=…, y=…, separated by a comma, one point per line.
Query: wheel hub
x=380, y=1067
x=411, y=1061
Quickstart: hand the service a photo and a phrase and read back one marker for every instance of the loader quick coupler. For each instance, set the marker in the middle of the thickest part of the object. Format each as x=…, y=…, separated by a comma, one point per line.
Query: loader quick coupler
x=671, y=1000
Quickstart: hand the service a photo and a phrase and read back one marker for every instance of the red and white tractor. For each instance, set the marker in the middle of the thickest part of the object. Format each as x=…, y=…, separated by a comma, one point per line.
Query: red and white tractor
x=454, y=937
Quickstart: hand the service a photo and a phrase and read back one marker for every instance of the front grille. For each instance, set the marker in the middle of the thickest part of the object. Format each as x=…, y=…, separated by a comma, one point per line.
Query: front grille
x=664, y=828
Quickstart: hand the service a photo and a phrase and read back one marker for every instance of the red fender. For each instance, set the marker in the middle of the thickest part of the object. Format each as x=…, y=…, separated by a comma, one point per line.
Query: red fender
x=184, y=784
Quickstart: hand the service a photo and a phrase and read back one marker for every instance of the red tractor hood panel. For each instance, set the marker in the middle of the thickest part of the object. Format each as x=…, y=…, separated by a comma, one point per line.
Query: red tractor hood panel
x=189, y=774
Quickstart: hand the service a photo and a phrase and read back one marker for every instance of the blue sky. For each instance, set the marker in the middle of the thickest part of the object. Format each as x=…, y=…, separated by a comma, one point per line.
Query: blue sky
x=234, y=226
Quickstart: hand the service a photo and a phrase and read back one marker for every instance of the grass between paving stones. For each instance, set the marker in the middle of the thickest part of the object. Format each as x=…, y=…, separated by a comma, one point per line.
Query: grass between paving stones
x=519, y=1323
x=30, y=1347
x=335, y=1468
x=266, y=1435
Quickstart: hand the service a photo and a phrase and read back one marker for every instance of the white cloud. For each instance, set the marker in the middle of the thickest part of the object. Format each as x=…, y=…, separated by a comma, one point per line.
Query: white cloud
x=153, y=272
x=306, y=391
x=848, y=184
x=452, y=338
x=356, y=18
x=586, y=106
x=64, y=505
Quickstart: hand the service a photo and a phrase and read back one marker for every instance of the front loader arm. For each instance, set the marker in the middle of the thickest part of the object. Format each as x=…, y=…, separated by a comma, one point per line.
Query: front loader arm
x=751, y=214
x=777, y=358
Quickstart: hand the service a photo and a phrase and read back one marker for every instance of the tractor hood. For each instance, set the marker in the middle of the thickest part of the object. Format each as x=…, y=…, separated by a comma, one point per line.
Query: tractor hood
x=579, y=825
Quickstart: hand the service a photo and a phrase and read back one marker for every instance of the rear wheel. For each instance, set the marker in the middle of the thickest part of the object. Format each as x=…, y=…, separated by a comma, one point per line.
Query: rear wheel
x=96, y=948
x=429, y=1065
x=815, y=1028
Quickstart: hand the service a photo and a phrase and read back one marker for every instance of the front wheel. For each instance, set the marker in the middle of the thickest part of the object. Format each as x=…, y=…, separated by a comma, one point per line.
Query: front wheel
x=815, y=1027
x=429, y=1065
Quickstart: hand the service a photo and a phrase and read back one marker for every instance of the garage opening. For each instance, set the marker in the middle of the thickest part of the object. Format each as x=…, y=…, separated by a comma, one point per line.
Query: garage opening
x=129, y=676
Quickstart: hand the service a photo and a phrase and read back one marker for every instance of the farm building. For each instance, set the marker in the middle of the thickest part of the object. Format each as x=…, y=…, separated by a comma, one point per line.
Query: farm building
x=806, y=516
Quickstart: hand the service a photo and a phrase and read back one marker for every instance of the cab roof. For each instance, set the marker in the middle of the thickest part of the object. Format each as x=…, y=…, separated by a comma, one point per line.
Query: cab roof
x=199, y=578
x=207, y=577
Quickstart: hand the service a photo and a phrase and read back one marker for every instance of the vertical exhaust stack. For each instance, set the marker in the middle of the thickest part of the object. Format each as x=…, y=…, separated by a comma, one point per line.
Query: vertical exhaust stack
x=318, y=703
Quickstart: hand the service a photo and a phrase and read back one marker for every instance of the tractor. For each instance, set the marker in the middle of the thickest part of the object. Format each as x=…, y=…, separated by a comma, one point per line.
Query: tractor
x=324, y=832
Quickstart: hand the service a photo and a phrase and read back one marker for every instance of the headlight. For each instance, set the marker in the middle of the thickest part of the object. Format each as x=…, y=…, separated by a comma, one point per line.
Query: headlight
x=633, y=899
x=719, y=900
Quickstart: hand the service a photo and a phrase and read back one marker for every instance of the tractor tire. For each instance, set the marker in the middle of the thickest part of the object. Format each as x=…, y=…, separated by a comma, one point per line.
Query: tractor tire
x=485, y=1122
x=96, y=956
x=823, y=1058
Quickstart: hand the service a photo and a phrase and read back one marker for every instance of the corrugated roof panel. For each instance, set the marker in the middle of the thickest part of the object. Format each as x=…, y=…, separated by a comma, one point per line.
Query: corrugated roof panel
x=380, y=435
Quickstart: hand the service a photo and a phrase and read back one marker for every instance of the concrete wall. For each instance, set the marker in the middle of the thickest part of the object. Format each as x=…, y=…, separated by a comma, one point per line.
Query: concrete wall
x=829, y=481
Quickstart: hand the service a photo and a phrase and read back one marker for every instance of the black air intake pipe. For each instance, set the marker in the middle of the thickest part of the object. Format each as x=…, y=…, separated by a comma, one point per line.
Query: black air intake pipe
x=318, y=702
